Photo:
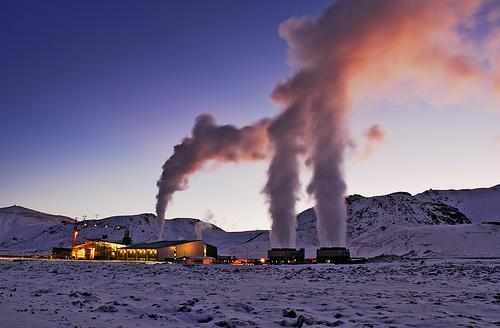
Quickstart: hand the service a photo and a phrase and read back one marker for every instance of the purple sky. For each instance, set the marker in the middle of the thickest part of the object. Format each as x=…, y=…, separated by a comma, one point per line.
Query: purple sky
x=94, y=95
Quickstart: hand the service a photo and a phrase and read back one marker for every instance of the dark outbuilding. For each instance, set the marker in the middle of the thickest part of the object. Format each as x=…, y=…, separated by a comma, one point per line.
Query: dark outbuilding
x=337, y=255
x=286, y=256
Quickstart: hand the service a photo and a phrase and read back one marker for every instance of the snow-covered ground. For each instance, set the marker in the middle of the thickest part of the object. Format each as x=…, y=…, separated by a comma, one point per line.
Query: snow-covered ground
x=430, y=293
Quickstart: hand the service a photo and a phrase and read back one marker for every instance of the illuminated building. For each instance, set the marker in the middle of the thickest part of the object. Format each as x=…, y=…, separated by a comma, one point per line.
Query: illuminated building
x=184, y=251
x=189, y=251
x=96, y=249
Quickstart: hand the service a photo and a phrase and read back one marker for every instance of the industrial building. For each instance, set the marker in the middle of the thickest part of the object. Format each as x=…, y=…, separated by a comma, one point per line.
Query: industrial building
x=182, y=251
x=61, y=253
x=337, y=255
x=173, y=251
x=185, y=251
x=96, y=249
x=286, y=256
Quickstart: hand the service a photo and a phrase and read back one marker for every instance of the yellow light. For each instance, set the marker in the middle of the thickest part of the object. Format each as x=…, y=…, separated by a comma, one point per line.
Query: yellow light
x=262, y=260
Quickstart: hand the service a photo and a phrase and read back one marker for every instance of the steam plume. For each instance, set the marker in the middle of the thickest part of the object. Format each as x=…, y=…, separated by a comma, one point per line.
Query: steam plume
x=209, y=141
x=283, y=182
x=199, y=229
x=415, y=47
x=359, y=46
x=495, y=140
x=201, y=226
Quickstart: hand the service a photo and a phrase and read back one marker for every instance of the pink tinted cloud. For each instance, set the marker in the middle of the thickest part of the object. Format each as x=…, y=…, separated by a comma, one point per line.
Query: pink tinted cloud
x=374, y=138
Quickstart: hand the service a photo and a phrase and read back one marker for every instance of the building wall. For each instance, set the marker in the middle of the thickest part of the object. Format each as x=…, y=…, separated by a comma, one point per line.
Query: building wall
x=166, y=253
x=137, y=255
x=337, y=255
x=194, y=248
x=286, y=256
x=61, y=253
x=104, y=250
x=190, y=249
x=211, y=251
x=96, y=250
x=198, y=260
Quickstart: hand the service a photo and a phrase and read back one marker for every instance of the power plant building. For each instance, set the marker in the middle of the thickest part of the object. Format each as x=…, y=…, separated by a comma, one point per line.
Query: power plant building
x=286, y=256
x=168, y=251
x=96, y=249
x=337, y=255
x=187, y=251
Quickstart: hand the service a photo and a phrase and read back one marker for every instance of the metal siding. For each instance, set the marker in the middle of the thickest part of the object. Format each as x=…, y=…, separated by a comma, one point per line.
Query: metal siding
x=166, y=253
x=194, y=248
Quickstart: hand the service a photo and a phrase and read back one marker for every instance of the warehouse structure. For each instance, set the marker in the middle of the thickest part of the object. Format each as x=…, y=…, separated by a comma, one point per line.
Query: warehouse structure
x=337, y=255
x=172, y=251
x=286, y=256
x=186, y=251
x=97, y=249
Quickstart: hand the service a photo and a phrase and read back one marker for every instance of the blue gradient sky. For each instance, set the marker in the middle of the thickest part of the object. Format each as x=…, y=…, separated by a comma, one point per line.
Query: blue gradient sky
x=94, y=95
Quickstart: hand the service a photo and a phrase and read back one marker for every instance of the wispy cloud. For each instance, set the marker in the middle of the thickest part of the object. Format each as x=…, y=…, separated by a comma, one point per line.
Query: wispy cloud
x=374, y=137
x=495, y=140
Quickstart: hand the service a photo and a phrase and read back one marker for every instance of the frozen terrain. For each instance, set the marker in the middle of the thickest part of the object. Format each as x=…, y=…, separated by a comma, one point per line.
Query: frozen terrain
x=479, y=205
x=436, y=223
x=430, y=293
x=18, y=223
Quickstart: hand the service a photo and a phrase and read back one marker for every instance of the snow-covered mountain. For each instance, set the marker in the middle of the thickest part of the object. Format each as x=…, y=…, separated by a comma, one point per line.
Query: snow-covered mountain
x=19, y=224
x=479, y=205
x=445, y=223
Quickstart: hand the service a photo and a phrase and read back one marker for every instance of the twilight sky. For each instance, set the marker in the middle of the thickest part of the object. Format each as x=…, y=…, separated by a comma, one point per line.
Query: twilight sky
x=94, y=95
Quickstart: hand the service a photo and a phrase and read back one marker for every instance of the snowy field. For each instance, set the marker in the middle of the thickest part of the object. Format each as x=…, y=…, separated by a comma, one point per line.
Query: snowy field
x=430, y=293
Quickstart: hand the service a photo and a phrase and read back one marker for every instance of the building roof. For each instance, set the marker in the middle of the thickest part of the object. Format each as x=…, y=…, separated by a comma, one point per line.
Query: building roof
x=105, y=240
x=160, y=244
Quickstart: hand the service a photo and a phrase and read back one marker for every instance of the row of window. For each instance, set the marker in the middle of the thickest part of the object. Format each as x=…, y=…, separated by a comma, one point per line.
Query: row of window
x=137, y=254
